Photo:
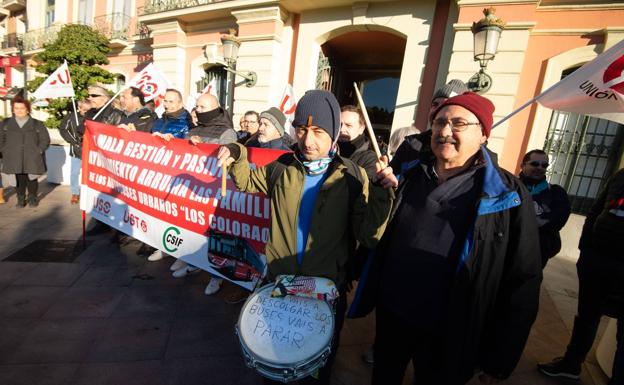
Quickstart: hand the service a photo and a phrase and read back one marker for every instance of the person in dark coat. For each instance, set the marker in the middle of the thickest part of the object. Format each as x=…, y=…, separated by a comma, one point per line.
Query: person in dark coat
x=353, y=142
x=457, y=274
x=214, y=124
x=249, y=127
x=600, y=269
x=72, y=132
x=552, y=206
x=271, y=132
x=23, y=142
x=137, y=116
x=99, y=97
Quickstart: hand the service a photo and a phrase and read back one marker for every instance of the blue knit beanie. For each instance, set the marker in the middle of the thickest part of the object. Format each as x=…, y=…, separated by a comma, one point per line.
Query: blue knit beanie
x=319, y=108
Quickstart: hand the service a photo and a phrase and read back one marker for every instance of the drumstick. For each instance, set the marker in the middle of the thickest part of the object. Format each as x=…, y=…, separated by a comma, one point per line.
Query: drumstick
x=223, y=180
x=369, y=127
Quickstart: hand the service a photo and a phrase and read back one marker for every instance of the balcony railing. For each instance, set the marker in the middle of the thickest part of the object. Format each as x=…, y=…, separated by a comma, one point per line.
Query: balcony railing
x=155, y=6
x=113, y=26
x=9, y=41
x=35, y=39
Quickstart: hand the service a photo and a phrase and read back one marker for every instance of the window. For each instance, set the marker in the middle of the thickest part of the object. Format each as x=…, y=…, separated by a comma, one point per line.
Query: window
x=49, y=13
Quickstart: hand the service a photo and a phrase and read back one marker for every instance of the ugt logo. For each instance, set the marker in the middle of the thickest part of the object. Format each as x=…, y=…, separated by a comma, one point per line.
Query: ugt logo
x=613, y=76
x=171, y=239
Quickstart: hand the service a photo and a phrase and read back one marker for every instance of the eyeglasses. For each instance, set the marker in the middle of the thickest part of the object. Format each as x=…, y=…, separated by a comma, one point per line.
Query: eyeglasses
x=536, y=163
x=95, y=95
x=457, y=125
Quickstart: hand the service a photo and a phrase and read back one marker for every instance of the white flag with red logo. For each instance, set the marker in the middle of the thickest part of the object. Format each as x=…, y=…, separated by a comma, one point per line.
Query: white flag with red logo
x=211, y=88
x=151, y=81
x=595, y=89
x=57, y=85
x=288, y=105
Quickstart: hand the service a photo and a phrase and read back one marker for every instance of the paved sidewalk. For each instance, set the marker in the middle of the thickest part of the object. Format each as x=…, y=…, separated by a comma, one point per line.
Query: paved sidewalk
x=111, y=317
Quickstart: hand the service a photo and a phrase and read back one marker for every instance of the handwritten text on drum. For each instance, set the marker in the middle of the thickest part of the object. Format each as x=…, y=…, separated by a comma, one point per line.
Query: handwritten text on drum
x=282, y=320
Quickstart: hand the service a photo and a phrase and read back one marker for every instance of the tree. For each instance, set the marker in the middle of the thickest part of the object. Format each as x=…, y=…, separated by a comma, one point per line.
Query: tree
x=85, y=50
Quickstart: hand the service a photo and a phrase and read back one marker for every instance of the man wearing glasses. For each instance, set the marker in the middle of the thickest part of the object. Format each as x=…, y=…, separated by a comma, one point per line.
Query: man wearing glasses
x=551, y=203
x=249, y=126
x=457, y=275
x=98, y=96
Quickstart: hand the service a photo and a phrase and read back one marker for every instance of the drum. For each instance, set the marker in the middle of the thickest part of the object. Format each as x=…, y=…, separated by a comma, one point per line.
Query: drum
x=287, y=338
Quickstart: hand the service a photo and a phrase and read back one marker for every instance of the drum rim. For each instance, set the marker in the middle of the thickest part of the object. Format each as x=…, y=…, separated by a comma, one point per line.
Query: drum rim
x=280, y=365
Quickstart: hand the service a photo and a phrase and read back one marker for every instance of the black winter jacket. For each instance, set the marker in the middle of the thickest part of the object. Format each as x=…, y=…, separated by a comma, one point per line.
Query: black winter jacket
x=358, y=150
x=72, y=133
x=110, y=115
x=143, y=119
x=552, y=208
x=494, y=296
x=23, y=149
x=214, y=127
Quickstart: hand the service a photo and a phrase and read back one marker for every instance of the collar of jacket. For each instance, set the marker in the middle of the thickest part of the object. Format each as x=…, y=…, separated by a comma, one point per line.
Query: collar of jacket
x=175, y=115
x=497, y=195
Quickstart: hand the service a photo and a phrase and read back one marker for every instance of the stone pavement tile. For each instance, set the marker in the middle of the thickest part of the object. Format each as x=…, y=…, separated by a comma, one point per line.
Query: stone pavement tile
x=120, y=373
x=358, y=331
x=131, y=339
x=80, y=302
x=12, y=333
x=56, y=341
x=151, y=301
x=194, y=303
x=160, y=274
x=48, y=374
x=214, y=370
x=349, y=367
x=52, y=274
x=203, y=336
x=10, y=271
x=27, y=301
x=107, y=276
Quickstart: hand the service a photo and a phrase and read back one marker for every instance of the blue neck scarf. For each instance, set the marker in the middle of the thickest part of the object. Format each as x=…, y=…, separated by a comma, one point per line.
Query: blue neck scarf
x=317, y=166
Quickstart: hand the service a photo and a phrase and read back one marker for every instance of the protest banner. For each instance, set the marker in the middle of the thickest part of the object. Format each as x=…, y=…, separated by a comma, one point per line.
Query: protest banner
x=168, y=195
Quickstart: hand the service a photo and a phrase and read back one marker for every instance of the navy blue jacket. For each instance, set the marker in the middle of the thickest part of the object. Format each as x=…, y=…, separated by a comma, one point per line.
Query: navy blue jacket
x=177, y=124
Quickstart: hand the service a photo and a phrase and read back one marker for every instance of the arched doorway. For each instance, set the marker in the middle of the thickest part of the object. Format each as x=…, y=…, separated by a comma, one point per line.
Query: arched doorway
x=373, y=60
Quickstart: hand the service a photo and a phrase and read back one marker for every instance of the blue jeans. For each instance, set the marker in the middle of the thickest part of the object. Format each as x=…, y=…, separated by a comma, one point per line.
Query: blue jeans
x=74, y=175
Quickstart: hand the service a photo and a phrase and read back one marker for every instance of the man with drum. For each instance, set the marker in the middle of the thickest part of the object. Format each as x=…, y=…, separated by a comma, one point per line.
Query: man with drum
x=319, y=201
x=458, y=270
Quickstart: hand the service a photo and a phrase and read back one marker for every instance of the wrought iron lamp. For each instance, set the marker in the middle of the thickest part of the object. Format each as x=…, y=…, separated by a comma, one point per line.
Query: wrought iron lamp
x=231, y=43
x=487, y=32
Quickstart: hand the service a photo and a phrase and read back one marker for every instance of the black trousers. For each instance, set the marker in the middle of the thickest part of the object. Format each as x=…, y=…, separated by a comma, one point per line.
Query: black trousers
x=24, y=183
x=592, y=290
x=325, y=371
x=397, y=343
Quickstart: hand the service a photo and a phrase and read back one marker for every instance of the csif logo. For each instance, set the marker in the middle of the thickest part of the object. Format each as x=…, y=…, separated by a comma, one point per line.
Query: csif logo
x=171, y=239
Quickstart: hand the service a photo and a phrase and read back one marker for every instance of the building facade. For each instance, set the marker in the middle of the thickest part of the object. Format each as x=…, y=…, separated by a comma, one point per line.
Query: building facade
x=397, y=52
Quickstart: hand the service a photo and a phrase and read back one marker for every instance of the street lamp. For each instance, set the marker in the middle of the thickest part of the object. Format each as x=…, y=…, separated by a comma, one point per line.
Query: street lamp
x=231, y=43
x=487, y=32
x=20, y=47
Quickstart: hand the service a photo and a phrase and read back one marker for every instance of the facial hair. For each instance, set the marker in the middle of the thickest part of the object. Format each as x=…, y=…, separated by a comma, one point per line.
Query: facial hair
x=446, y=139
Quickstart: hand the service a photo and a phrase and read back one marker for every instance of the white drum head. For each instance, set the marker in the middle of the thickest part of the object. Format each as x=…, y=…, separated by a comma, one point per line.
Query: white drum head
x=285, y=331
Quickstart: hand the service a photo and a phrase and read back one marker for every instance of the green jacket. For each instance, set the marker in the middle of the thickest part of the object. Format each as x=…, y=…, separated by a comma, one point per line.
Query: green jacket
x=327, y=249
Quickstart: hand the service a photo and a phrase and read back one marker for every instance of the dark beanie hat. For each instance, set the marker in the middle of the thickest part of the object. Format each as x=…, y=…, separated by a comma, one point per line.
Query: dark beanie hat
x=276, y=117
x=452, y=88
x=319, y=108
x=480, y=106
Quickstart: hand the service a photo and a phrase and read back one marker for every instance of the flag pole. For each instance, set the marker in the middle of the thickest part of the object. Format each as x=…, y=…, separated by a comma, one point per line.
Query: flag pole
x=107, y=103
x=75, y=110
x=369, y=127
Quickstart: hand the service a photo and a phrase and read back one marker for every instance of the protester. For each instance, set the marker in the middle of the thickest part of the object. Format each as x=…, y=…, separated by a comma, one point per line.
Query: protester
x=457, y=275
x=137, y=116
x=71, y=131
x=318, y=198
x=214, y=126
x=271, y=132
x=176, y=121
x=23, y=142
x=353, y=142
x=397, y=137
x=250, y=126
x=407, y=153
x=98, y=97
x=551, y=203
x=600, y=269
